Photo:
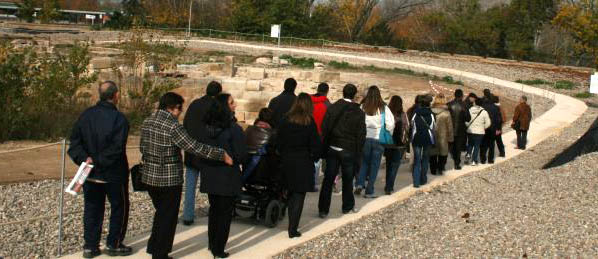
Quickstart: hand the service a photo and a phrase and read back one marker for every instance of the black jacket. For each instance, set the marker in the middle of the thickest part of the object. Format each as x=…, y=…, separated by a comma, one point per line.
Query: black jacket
x=299, y=147
x=101, y=133
x=459, y=115
x=215, y=176
x=193, y=122
x=495, y=117
x=349, y=132
x=280, y=105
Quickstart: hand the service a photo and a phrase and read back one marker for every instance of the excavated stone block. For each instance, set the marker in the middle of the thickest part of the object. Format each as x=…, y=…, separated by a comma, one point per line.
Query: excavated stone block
x=253, y=85
x=256, y=73
x=329, y=77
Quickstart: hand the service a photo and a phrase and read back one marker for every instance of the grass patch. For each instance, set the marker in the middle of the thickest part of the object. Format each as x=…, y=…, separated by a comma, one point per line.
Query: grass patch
x=300, y=62
x=564, y=84
x=533, y=82
x=584, y=95
x=340, y=65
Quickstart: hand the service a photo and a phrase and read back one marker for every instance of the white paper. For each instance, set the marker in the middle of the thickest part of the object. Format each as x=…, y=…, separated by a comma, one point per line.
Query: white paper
x=76, y=184
x=594, y=83
x=275, y=31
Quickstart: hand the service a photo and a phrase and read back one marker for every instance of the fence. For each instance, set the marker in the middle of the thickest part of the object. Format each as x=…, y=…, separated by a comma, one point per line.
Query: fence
x=583, y=60
x=284, y=40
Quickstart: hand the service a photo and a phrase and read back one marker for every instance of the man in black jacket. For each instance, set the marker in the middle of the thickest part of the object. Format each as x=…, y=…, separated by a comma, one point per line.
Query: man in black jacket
x=282, y=103
x=459, y=115
x=99, y=137
x=489, y=141
x=194, y=125
x=344, y=132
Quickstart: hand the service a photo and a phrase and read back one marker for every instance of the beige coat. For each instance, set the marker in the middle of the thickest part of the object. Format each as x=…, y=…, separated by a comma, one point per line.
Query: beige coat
x=443, y=131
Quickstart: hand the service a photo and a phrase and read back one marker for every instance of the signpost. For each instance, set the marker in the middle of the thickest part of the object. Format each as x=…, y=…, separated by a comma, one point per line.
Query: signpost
x=90, y=17
x=594, y=83
x=275, y=32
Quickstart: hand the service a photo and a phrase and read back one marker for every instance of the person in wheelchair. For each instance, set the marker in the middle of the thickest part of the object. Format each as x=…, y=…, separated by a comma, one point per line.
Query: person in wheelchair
x=260, y=146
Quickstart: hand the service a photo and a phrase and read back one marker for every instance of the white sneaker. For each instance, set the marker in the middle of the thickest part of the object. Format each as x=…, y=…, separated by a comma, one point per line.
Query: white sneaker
x=473, y=164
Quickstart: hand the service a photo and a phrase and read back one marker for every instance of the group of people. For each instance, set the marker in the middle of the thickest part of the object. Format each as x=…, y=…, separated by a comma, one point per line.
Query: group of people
x=472, y=124
x=308, y=133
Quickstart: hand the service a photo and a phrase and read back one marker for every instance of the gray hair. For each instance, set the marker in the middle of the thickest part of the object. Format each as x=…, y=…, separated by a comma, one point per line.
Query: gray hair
x=107, y=90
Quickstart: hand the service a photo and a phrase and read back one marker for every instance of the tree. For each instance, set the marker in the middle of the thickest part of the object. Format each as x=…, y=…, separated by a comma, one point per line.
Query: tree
x=50, y=11
x=356, y=14
x=26, y=10
x=580, y=19
x=525, y=22
x=134, y=10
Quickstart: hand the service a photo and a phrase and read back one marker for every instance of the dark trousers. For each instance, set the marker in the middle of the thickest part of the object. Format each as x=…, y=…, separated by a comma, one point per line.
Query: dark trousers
x=500, y=145
x=93, y=213
x=521, y=138
x=295, y=206
x=219, y=219
x=487, y=147
x=458, y=146
x=344, y=160
x=437, y=164
x=393, y=162
x=167, y=201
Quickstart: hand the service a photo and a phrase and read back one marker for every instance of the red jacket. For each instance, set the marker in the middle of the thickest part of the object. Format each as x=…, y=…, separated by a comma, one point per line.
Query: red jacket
x=320, y=106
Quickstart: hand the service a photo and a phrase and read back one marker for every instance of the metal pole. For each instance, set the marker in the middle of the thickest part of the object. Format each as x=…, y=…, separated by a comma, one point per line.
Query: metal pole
x=279, y=34
x=189, y=30
x=60, y=209
x=210, y=33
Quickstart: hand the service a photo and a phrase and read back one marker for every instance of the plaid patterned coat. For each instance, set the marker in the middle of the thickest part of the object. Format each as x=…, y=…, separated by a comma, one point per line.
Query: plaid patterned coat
x=162, y=138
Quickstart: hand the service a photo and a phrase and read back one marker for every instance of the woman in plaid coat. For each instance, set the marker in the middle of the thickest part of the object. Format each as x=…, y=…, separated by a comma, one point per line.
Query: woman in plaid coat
x=162, y=138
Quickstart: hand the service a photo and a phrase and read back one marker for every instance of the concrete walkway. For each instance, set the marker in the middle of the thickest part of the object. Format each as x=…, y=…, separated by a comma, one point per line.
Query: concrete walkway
x=248, y=240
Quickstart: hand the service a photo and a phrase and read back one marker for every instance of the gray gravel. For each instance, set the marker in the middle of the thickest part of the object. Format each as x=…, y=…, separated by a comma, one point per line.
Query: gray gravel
x=513, y=209
x=29, y=219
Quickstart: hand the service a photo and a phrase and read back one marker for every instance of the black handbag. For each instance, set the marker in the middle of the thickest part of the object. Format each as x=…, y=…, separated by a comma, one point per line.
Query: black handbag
x=138, y=185
x=516, y=125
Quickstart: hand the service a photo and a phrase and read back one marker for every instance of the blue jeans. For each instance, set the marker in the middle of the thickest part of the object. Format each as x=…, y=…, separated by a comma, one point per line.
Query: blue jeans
x=372, y=156
x=317, y=165
x=473, y=145
x=393, y=162
x=421, y=163
x=191, y=176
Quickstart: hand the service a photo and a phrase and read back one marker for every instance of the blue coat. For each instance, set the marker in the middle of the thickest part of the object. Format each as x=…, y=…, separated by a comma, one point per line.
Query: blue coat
x=422, y=127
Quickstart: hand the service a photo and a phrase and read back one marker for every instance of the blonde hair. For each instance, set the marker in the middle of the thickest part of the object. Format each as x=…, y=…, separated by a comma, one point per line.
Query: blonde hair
x=440, y=99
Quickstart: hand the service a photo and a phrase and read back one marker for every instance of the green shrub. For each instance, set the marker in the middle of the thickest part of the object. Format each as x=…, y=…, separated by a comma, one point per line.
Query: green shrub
x=403, y=71
x=584, y=95
x=564, y=84
x=39, y=94
x=533, y=82
x=300, y=62
x=340, y=65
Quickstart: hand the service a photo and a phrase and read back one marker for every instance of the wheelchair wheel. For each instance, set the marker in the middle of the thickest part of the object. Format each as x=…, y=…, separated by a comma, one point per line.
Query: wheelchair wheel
x=273, y=213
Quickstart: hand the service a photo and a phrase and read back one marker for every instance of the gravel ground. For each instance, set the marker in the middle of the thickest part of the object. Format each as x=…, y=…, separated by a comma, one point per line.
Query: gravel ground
x=37, y=202
x=513, y=209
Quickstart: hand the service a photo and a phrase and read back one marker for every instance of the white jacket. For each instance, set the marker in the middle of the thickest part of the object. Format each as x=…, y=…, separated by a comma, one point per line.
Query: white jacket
x=373, y=124
x=481, y=123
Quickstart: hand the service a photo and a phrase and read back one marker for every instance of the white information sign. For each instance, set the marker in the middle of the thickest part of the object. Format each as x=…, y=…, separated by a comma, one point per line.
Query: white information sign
x=90, y=17
x=275, y=31
x=594, y=83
